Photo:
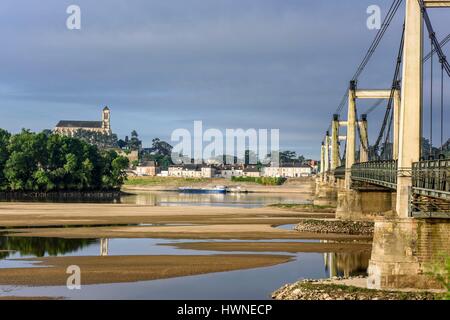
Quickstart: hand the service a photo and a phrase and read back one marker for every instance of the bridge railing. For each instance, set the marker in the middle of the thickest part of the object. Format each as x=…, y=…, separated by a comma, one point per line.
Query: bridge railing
x=382, y=173
x=339, y=172
x=432, y=178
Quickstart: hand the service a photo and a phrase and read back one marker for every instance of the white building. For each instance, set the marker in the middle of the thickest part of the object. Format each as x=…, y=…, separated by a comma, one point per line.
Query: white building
x=191, y=171
x=147, y=168
x=252, y=171
x=294, y=170
x=230, y=171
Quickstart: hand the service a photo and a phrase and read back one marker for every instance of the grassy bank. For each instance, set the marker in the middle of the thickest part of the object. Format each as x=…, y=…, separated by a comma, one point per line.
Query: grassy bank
x=266, y=181
x=164, y=181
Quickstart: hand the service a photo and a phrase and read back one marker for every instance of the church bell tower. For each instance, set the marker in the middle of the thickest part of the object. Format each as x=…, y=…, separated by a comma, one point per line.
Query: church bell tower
x=106, y=119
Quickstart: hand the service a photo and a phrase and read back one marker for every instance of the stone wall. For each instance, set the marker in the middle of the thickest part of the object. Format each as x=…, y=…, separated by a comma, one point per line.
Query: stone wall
x=403, y=251
x=363, y=205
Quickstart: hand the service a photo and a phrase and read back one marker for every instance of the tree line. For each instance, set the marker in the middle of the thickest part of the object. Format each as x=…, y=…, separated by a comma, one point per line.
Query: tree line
x=45, y=162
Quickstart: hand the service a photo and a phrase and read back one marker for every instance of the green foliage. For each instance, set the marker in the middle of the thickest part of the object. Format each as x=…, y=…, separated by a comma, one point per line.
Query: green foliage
x=99, y=139
x=290, y=156
x=160, y=152
x=267, y=181
x=4, y=155
x=41, y=246
x=161, y=147
x=440, y=270
x=164, y=181
x=45, y=162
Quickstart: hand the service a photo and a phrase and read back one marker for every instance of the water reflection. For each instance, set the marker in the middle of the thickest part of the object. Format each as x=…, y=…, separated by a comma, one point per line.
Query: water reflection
x=241, y=284
x=246, y=200
x=103, y=247
x=40, y=247
x=243, y=200
x=346, y=264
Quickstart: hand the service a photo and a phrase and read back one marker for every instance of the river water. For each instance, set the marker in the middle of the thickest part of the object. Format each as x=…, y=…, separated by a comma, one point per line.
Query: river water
x=256, y=283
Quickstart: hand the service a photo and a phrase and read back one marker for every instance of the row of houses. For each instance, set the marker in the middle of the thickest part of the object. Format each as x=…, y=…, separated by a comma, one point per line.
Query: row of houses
x=287, y=170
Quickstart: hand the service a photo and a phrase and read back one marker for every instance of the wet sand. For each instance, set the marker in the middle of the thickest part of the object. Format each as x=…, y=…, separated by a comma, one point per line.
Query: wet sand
x=116, y=269
x=225, y=232
x=61, y=214
x=291, y=247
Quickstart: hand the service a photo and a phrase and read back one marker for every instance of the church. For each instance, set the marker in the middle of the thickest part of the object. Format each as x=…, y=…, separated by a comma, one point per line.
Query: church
x=70, y=127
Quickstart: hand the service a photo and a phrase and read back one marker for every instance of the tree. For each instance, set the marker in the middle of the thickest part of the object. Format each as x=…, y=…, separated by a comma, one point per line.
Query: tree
x=4, y=155
x=43, y=162
x=99, y=139
x=135, y=143
x=161, y=147
x=287, y=156
x=160, y=152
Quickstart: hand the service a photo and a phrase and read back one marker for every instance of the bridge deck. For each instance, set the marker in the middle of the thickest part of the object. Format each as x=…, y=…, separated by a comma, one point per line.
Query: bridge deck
x=430, y=192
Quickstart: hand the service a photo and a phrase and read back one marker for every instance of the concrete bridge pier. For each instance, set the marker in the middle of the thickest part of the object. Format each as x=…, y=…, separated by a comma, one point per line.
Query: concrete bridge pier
x=326, y=194
x=405, y=250
x=364, y=205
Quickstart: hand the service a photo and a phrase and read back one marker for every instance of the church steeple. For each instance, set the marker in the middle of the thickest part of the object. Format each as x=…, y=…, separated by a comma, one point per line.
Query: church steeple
x=106, y=119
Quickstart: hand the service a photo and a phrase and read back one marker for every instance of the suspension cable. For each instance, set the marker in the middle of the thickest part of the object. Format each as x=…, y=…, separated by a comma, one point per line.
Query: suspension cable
x=442, y=108
x=375, y=106
x=442, y=44
x=385, y=25
x=432, y=34
x=431, y=102
x=387, y=21
x=395, y=86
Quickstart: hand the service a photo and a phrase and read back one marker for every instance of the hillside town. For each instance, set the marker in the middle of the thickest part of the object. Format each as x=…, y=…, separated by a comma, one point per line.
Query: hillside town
x=147, y=161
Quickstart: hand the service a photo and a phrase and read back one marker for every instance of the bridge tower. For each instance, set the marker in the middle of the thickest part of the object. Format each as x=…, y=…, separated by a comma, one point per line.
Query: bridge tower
x=411, y=104
x=403, y=246
x=335, y=158
x=364, y=144
x=351, y=135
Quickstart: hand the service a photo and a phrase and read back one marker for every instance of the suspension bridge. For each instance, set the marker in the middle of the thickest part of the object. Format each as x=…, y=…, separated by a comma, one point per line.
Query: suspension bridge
x=394, y=179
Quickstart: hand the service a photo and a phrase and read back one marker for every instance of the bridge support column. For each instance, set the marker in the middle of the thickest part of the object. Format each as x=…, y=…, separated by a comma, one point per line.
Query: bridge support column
x=327, y=158
x=411, y=105
x=322, y=162
x=363, y=205
x=326, y=195
x=397, y=107
x=364, y=146
x=404, y=250
x=335, y=157
x=351, y=123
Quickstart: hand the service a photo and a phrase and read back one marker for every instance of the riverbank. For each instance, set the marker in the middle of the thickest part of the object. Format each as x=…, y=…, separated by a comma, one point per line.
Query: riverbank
x=347, y=289
x=298, y=186
x=74, y=196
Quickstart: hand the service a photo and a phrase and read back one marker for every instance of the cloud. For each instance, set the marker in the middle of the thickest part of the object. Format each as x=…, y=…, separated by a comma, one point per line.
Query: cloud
x=161, y=64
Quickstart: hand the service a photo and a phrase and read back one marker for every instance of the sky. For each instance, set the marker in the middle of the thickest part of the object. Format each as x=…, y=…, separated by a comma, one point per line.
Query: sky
x=162, y=64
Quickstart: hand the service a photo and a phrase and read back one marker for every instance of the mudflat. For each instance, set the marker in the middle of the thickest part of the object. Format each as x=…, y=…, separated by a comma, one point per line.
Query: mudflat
x=225, y=232
x=115, y=269
x=291, y=247
x=82, y=214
